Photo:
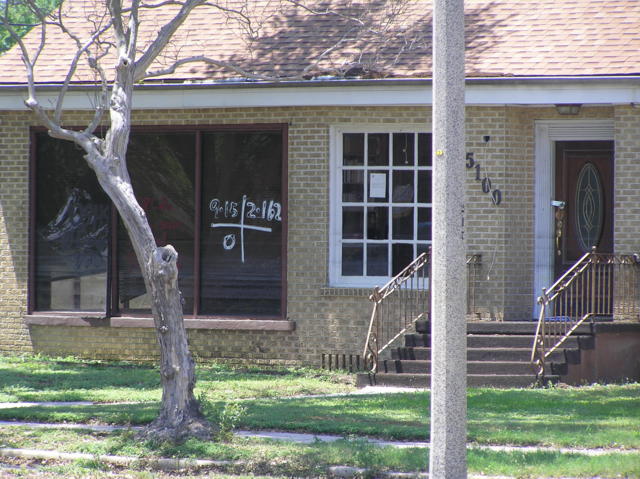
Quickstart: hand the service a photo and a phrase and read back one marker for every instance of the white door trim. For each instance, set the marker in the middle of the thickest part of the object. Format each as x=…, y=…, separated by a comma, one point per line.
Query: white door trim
x=547, y=132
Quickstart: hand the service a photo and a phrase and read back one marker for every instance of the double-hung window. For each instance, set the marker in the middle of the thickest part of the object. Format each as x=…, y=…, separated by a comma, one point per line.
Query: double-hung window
x=381, y=202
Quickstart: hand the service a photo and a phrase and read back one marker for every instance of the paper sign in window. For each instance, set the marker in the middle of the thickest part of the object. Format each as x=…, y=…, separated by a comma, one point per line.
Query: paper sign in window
x=377, y=185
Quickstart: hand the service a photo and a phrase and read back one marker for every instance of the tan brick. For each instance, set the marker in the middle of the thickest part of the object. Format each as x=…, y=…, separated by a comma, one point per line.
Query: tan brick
x=327, y=319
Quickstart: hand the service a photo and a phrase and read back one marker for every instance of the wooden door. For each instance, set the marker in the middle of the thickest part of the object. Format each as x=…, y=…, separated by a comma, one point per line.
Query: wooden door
x=583, y=200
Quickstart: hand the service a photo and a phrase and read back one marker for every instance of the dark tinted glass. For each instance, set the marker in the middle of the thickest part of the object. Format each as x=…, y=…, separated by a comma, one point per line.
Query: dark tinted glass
x=424, y=186
x=402, y=256
x=378, y=145
x=352, y=186
x=377, y=260
x=424, y=224
x=402, y=223
x=242, y=218
x=352, y=260
x=353, y=149
x=378, y=223
x=424, y=149
x=352, y=222
x=72, y=218
x=403, y=149
x=161, y=166
x=402, y=186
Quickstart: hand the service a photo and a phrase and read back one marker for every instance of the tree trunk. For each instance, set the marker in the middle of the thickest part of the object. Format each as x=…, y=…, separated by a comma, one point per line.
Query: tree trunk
x=180, y=416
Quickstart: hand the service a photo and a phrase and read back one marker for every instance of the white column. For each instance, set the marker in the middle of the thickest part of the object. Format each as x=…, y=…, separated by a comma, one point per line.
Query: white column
x=448, y=457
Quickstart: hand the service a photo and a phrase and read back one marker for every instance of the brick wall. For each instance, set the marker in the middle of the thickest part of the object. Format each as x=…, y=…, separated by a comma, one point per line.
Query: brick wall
x=14, y=199
x=627, y=180
x=327, y=319
x=484, y=221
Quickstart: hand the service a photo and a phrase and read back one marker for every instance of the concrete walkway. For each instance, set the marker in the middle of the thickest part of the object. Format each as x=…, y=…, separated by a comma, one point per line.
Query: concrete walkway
x=304, y=438
x=10, y=405
x=172, y=464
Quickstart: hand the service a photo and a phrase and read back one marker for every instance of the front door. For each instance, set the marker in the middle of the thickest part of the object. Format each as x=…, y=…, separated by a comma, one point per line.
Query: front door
x=583, y=200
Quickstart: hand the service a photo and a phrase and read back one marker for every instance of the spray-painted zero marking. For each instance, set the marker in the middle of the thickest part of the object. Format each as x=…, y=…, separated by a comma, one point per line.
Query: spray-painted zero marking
x=229, y=241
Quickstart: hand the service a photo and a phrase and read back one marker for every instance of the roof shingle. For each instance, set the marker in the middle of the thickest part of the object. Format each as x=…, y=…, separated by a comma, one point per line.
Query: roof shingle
x=504, y=38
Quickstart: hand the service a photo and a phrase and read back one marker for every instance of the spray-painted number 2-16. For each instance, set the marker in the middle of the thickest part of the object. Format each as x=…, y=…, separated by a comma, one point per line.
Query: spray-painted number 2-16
x=485, y=181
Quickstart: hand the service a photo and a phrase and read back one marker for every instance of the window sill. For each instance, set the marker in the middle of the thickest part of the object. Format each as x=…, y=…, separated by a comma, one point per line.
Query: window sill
x=128, y=322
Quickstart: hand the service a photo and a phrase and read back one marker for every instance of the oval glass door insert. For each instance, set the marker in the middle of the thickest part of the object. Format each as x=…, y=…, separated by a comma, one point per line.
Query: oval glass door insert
x=589, y=207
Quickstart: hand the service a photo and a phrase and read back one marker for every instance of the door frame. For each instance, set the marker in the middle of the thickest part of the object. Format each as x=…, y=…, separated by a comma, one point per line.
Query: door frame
x=546, y=133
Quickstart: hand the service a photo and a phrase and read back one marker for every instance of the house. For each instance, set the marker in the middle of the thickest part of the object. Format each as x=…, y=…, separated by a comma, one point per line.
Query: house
x=288, y=201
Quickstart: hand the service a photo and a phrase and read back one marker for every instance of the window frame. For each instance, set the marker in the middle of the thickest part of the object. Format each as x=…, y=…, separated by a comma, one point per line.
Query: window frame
x=112, y=310
x=335, y=278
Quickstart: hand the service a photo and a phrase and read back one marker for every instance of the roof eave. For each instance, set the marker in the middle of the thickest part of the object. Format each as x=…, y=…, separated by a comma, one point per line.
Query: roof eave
x=345, y=82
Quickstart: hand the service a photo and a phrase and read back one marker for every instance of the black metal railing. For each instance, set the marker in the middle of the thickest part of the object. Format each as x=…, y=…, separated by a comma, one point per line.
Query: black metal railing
x=598, y=286
x=404, y=300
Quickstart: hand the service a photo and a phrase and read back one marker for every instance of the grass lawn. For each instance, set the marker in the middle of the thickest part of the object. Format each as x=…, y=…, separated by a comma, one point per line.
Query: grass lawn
x=298, y=460
x=594, y=416
x=24, y=378
x=588, y=417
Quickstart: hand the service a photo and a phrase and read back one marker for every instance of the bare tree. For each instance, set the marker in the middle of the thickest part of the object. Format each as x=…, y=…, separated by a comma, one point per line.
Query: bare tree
x=114, y=36
x=180, y=414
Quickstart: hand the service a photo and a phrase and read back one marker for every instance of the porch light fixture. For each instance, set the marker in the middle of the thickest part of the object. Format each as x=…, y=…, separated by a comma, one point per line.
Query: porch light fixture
x=568, y=108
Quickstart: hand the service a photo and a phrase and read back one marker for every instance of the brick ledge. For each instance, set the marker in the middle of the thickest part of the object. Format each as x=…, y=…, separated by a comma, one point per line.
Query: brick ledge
x=125, y=322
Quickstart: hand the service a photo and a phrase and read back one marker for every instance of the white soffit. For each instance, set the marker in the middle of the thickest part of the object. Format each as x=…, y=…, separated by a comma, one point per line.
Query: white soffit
x=371, y=94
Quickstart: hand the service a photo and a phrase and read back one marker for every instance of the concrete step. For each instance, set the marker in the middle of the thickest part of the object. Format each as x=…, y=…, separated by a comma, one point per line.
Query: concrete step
x=498, y=355
x=500, y=327
x=475, y=354
x=473, y=367
x=424, y=380
x=487, y=340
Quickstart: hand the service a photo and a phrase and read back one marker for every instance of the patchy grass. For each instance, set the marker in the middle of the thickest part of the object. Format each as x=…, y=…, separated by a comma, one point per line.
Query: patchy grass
x=28, y=378
x=298, y=460
x=553, y=464
x=594, y=416
x=586, y=417
x=111, y=413
x=590, y=416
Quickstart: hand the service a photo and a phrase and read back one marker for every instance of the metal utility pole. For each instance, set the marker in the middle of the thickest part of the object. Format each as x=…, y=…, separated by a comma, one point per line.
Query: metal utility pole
x=448, y=457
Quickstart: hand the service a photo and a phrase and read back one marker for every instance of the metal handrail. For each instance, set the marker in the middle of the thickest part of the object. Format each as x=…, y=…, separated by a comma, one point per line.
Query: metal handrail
x=402, y=301
x=597, y=285
x=380, y=336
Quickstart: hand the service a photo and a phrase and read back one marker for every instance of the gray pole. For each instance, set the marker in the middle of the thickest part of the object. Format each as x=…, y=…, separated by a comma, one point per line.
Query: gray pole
x=448, y=457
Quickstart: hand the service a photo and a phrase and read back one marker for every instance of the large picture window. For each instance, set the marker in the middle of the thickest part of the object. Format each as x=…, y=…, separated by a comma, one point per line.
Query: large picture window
x=381, y=212
x=217, y=195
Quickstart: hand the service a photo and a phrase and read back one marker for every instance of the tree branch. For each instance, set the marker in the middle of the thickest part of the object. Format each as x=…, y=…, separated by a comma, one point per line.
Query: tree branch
x=115, y=9
x=81, y=50
x=325, y=12
x=29, y=64
x=231, y=11
x=82, y=138
x=133, y=29
x=164, y=36
x=218, y=63
x=103, y=98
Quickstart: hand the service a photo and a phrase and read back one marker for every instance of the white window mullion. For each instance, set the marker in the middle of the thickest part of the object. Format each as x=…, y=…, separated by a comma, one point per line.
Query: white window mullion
x=368, y=203
x=416, y=166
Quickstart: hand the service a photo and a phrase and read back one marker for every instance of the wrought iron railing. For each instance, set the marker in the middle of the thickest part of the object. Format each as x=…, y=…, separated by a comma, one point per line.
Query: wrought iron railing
x=404, y=300
x=598, y=286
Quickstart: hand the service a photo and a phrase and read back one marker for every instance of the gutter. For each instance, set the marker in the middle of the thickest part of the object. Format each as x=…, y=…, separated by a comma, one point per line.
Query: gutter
x=332, y=82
